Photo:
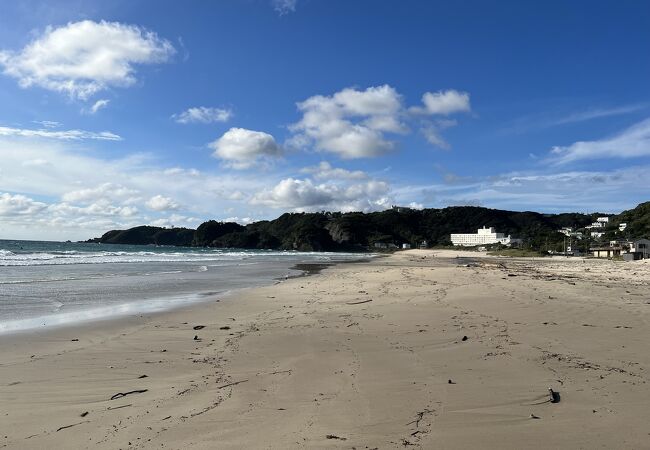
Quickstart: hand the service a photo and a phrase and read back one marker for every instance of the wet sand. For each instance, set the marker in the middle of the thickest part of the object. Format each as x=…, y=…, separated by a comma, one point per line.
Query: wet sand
x=417, y=350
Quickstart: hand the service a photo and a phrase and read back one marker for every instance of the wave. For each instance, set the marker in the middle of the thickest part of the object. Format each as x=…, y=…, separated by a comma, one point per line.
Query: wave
x=100, y=313
x=8, y=258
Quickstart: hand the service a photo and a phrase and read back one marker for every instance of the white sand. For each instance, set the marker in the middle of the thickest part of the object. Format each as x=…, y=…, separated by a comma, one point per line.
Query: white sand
x=316, y=368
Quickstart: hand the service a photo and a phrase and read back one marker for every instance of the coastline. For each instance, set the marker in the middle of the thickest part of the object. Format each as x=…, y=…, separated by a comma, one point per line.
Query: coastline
x=310, y=362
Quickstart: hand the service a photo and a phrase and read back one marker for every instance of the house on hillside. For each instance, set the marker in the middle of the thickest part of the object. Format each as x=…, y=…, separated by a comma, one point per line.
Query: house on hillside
x=601, y=222
x=639, y=249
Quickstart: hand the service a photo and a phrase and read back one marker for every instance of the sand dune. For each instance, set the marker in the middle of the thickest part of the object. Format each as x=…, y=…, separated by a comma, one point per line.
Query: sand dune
x=422, y=349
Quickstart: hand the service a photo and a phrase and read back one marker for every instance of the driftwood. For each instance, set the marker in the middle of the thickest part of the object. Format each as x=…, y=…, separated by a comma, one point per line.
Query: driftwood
x=420, y=415
x=73, y=425
x=359, y=302
x=333, y=436
x=118, y=407
x=232, y=384
x=124, y=394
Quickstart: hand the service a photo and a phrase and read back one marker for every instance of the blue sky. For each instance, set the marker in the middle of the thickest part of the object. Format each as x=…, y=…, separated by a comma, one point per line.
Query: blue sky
x=160, y=112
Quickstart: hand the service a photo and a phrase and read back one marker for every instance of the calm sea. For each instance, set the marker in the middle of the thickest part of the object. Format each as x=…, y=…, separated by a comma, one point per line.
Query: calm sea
x=44, y=284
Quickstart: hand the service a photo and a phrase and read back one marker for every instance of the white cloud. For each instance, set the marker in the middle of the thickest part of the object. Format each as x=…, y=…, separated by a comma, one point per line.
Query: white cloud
x=102, y=192
x=203, y=114
x=99, y=104
x=99, y=208
x=19, y=204
x=283, y=7
x=83, y=58
x=545, y=120
x=304, y=195
x=74, y=135
x=431, y=132
x=325, y=171
x=351, y=123
x=182, y=172
x=631, y=143
x=444, y=103
x=242, y=149
x=433, y=137
x=161, y=203
x=176, y=220
x=48, y=123
x=597, y=113
x=240, y=220
x=236, y=195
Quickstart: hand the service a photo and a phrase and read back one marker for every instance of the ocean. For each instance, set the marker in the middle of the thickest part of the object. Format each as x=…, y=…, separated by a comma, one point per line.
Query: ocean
x=46, y=284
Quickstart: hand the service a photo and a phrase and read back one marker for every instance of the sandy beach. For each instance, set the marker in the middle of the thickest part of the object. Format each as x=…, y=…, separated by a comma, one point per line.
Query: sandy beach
x=420, y=349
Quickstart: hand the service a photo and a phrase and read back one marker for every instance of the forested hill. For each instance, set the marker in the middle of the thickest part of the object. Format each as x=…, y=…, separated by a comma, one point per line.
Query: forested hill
x=357, y=231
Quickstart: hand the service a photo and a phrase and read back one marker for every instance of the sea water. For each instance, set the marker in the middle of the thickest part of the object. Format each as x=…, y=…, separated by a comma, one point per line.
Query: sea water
x=44, y=284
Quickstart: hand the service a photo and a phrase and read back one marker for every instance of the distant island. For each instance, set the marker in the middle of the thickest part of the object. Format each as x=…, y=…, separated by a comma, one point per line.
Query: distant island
x=335, y=231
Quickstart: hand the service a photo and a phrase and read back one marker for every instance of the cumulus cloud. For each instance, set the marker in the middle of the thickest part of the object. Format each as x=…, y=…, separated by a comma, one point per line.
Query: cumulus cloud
x=83, y=58
x=203, y=114
x=304, y=195
x=74, y=135
x=351, y=123
x=161, y=203
x=631, y=143
x=325, y=171
x=444, y=103
x=19, y=204
x=356, y=123
x=241, y=148
x=283, y=7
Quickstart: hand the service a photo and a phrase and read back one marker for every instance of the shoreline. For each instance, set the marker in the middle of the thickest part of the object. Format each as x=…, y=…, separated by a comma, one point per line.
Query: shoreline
x=366, y=354
x=151, y=308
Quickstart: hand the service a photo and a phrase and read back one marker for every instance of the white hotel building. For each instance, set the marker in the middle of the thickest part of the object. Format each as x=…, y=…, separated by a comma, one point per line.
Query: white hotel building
x=483, y=237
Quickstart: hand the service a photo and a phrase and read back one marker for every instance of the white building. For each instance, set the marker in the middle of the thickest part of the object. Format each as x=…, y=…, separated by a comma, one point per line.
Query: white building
x=597, y=234
x=622, y=226
x=601, y=222
x=483, y=237
x=641, y=246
